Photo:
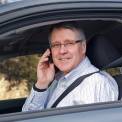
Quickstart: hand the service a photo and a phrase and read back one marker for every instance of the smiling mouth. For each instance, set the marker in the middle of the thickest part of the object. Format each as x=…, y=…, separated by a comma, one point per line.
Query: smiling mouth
x=64, y=59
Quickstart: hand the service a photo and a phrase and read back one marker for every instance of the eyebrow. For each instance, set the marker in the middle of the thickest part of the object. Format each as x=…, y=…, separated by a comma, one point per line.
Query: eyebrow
x=79, y=40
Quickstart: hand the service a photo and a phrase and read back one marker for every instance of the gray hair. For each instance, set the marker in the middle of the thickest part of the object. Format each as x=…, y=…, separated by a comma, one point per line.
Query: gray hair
x=68, y=25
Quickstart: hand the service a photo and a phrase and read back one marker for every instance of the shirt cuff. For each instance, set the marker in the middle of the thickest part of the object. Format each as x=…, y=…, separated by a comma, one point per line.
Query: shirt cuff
x=37, y=89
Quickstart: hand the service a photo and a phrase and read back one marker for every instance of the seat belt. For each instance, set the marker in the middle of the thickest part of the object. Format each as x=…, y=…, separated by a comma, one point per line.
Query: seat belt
x=71, y=87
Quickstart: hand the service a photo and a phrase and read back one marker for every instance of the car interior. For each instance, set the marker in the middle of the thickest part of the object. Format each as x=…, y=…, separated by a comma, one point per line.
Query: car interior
x=104, y=49
x=103, y=54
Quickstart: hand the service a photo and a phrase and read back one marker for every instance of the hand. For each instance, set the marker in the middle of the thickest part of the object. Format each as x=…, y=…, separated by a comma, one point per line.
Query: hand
x=45, y=71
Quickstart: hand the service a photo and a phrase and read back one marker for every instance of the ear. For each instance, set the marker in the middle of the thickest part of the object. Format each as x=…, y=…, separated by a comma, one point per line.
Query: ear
x=84, y=47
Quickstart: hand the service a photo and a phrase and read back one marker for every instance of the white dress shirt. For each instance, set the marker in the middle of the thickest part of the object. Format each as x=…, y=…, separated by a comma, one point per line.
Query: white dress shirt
x=99, y=87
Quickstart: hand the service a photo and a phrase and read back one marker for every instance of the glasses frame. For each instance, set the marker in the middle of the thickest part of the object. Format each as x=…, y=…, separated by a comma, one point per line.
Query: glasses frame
x=65, y=45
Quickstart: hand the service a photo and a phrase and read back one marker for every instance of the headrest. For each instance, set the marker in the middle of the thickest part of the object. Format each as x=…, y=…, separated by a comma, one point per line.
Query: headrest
x=101, y=51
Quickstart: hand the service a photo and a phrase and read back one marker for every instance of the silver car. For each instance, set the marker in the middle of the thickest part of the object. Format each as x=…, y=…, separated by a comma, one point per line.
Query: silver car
x=24, y=27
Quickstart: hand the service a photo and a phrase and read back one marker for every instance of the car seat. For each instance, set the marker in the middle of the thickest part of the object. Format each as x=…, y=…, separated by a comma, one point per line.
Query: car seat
x=103, y=54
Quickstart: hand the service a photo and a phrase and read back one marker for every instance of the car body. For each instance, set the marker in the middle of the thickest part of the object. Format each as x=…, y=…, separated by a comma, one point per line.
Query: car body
x=24, y=27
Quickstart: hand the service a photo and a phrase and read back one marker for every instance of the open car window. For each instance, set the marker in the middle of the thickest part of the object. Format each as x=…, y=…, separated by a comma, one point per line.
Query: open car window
x=21, y=51
x=17, y=75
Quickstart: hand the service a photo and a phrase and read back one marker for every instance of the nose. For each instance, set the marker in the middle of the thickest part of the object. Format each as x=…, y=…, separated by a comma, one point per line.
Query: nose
x=63, y=49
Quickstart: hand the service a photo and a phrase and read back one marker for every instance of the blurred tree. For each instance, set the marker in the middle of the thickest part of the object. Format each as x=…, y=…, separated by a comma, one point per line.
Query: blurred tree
x=20, y=68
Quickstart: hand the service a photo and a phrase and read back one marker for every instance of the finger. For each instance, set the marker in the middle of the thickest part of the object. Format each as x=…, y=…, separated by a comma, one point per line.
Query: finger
x=42, y=60
x=46, y=53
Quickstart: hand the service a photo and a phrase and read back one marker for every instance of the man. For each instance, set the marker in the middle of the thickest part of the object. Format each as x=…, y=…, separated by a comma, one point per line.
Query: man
x=68, y=50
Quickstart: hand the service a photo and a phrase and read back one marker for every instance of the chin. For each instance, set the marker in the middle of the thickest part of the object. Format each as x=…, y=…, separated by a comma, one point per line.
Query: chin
x=65, y=70
x=64, y=67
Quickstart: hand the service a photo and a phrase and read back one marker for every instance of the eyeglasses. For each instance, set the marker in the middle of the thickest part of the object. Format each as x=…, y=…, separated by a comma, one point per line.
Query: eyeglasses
x=66, y=44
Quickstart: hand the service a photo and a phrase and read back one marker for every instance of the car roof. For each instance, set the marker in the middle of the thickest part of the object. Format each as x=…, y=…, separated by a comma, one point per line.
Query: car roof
x=25, y=3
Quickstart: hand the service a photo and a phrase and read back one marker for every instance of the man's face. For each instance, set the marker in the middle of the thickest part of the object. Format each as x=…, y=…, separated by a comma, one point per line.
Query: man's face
x=68, y=55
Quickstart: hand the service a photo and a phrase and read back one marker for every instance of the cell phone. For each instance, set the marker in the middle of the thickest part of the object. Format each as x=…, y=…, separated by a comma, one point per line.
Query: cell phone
x=51, y=61
x=50, y=57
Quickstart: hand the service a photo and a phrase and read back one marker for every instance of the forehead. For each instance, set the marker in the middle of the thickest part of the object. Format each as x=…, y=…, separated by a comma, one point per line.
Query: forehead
x=64, y=34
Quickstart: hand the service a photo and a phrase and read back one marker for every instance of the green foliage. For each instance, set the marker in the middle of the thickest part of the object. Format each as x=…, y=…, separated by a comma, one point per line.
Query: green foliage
x=114, y=71
x=20, y=68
